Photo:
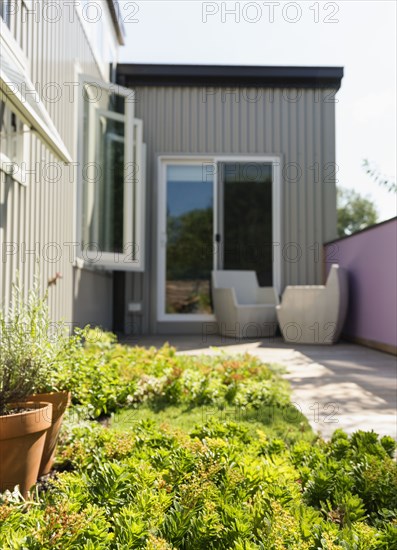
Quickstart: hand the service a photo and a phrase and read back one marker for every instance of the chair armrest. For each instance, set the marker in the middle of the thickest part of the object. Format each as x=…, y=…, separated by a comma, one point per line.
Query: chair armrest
x=225, y=295
x=225, y=305
x=303, y=302
x=293, y=294
x=267, y=295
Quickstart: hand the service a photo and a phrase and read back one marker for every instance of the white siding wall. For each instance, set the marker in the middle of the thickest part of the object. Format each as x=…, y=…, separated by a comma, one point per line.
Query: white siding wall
x=43, y=212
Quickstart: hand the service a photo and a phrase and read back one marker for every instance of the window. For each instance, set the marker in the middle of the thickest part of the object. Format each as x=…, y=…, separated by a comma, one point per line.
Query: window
x=12, y=137
x=5, y=11
x=190, y=228
x=112, y=178
x=18, y=93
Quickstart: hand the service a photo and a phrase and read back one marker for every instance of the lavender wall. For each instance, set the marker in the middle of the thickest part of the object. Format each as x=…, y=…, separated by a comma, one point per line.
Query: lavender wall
x=370, y=257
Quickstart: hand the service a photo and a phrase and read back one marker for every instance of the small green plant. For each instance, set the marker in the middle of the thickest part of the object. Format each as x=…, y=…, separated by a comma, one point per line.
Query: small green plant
x=29, y=345
x=105, y=376
x=195, y=465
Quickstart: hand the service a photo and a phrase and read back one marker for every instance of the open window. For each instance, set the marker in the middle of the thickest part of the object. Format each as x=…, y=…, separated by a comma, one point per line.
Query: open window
x=112, y=178
x=21, y=110
x=13, y=137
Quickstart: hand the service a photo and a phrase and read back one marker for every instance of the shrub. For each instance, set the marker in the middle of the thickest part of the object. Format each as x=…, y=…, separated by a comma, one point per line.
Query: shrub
x=30, y=345
x=225, y=483
x=105, y=376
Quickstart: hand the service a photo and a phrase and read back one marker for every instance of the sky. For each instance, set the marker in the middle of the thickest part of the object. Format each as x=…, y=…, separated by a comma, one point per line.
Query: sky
x=359, y=35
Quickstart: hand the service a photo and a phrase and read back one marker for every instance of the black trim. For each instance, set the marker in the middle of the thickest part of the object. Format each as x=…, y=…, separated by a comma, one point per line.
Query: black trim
x=361, y=231
x=118, y=301
x=135, y=74
x=114, y=9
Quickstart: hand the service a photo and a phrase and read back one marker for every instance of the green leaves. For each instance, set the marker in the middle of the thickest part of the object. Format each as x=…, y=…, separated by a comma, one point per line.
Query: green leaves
x=354, y=212
x=374, y=173
x=223, y=480
x=216, y=492
x=349, y=477
x=105, y=376
x=30, y=345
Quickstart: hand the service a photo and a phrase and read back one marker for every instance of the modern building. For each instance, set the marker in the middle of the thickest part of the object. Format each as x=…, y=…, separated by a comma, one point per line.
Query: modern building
x=240, y=174
x=135, y=181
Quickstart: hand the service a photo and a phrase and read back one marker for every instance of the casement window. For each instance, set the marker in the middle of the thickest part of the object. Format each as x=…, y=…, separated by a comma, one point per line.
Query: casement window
x=112, y=183
x=5, y=11
x=21, y=110
x=13, y=146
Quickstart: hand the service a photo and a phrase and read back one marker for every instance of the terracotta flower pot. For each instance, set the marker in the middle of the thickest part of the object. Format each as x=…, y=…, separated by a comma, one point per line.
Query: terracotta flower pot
x=22, y=439
x=59, y=400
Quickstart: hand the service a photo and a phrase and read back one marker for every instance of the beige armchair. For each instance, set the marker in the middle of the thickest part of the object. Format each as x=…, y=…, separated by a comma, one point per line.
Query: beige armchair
x=314, y=314
x=242, y=308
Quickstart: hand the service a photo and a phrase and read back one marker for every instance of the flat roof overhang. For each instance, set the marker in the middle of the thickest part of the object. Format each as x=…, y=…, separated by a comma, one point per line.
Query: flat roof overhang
x=136, y=74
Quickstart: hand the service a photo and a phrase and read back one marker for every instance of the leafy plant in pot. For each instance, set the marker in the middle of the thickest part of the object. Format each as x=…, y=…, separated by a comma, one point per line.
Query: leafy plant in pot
x=28, y=352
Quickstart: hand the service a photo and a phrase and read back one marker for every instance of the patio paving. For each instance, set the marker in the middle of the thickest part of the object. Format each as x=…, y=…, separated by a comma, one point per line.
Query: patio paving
x=342, y=386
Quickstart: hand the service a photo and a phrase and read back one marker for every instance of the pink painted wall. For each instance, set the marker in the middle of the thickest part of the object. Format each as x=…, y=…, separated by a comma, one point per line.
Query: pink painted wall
x=370, y=257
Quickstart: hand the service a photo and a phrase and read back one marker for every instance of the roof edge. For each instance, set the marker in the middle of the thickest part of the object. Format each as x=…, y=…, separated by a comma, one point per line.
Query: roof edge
x=117, y=20
x=138, y=74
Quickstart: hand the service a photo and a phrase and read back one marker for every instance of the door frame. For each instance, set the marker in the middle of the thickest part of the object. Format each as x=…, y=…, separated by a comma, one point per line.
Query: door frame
x=212, y=160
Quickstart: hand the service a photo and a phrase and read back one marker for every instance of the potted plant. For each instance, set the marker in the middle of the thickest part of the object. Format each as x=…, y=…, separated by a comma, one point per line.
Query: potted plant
x=23, y=429
x=59, y=400
x=29, y=421
x=51, y=388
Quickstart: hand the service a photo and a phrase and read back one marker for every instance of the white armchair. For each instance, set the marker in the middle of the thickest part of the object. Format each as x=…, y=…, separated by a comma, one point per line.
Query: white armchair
x=315, y=314
x=243, y=308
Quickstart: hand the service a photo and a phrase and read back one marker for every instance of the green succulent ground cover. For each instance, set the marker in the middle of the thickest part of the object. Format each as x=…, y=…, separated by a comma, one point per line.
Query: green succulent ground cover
x=198, y=453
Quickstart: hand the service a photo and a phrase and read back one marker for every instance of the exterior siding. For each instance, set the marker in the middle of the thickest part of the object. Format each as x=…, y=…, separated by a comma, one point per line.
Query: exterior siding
x=43, y=212
x=298, y=124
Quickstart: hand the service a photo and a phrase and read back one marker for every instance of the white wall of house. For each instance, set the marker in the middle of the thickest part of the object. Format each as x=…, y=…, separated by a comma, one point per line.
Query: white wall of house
x=56, y=42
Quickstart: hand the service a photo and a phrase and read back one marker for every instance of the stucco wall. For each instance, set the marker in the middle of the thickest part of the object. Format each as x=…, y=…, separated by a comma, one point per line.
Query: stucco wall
x=370, y=257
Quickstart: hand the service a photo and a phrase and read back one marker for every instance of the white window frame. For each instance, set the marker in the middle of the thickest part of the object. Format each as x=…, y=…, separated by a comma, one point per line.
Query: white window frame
x=15, y=166
x=13, y=70
x=134, y=186
x=191, y=160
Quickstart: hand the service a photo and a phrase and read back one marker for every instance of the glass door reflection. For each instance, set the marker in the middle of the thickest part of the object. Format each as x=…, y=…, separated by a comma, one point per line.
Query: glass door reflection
x=190, y=228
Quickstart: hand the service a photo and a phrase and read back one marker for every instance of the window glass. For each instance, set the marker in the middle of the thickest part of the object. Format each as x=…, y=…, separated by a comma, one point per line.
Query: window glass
x=103, y=173
x=5, y=11
x=247, y=233
x=11, y=142
x=112, y=191
x=189, y=258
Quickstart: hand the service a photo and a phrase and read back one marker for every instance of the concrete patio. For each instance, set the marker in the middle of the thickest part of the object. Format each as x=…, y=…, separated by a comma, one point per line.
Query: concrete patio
x=342, y=386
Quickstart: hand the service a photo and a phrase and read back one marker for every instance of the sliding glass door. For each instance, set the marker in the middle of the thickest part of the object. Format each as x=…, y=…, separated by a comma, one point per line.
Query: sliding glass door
x=189, y=238
x=211, y=218
x=245, y=218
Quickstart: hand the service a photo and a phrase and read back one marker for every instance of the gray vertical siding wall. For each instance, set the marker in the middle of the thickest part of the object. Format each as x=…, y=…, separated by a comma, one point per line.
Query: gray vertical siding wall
x=43, y=212
x=298, y=124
